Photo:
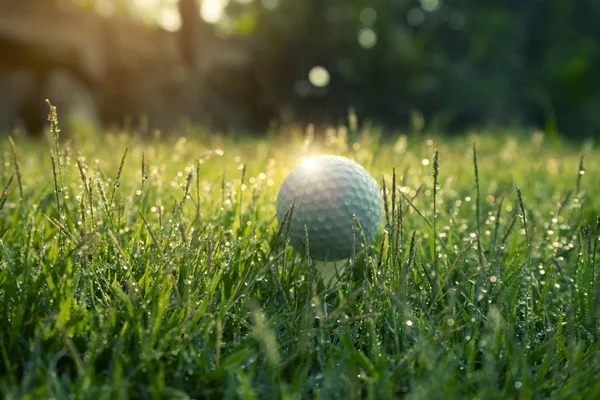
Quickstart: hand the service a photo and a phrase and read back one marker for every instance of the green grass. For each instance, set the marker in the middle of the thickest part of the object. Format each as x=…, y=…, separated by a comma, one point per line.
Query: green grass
x=156, y=269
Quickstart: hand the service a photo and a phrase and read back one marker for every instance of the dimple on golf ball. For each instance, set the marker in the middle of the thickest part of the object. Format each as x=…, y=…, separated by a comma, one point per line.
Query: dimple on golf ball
x=327, y=192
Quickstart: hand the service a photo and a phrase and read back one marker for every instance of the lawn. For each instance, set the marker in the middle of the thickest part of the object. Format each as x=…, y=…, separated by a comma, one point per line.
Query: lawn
x=156, y=268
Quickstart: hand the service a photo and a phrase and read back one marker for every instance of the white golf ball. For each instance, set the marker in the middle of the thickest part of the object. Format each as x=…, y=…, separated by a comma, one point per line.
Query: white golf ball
x=327, y=192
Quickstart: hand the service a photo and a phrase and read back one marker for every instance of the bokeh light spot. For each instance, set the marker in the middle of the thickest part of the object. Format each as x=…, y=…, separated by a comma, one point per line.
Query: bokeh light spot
x=415, y=17
x=367, y=38
x=430, y=5
x=212, y=10
x=169, y=19
x=319, y=76
x=368, y=16
x=302, y=88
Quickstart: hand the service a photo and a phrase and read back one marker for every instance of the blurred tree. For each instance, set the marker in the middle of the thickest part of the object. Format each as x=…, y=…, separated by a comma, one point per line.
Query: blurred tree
x=190, y=30
x=459, y=62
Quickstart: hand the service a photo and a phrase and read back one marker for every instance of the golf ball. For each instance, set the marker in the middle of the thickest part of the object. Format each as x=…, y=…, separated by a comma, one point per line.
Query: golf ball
x=326, y=192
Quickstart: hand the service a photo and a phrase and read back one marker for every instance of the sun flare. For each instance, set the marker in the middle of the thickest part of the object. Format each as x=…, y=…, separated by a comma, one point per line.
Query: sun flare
x=166, y=13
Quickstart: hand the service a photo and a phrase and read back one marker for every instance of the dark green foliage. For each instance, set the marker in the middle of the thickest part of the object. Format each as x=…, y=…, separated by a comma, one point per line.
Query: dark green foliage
x=464, y=63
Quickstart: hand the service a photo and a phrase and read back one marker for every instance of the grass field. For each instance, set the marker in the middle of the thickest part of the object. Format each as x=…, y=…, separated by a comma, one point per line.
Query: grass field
x=156, y=269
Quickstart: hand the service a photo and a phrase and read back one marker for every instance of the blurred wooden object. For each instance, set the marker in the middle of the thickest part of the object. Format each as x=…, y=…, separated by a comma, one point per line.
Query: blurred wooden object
x=124, y=71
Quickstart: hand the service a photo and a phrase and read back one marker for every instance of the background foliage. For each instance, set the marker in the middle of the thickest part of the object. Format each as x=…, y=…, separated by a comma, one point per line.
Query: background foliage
x=457, y=63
